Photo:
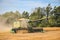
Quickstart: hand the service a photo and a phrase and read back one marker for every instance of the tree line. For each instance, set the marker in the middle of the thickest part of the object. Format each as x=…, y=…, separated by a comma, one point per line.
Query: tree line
x=51, y=15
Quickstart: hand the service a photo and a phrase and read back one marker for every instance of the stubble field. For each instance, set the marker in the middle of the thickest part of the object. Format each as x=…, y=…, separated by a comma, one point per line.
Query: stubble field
x=49, y=34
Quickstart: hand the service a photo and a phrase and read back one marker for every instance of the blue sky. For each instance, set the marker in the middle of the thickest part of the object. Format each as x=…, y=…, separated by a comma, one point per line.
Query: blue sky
x=25, y=5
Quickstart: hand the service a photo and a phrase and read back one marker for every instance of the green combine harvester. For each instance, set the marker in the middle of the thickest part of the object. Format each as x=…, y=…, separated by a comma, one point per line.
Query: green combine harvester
x=24, y=24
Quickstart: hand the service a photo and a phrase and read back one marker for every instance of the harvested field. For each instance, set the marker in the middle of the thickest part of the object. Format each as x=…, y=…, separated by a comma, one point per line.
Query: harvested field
x=49, y=34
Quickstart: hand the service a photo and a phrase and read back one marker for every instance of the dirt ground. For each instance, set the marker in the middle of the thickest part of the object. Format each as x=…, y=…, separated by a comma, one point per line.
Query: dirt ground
x=49, y=34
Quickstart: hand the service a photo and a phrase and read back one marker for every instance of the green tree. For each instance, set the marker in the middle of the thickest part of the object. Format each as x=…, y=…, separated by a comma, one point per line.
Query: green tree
x=17, y=14
x=37, y=14
x=57, y=15
x=48, y=9
x=25, y=15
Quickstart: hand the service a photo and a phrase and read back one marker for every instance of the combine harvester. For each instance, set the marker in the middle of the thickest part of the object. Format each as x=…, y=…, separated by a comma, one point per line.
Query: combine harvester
x=24, y=24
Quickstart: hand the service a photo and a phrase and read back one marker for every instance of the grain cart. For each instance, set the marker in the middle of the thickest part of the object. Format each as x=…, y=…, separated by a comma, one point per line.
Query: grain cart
x=24, y=24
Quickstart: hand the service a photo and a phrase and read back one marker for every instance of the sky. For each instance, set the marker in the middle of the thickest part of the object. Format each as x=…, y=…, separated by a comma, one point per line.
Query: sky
x=25, y=5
